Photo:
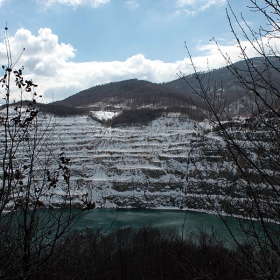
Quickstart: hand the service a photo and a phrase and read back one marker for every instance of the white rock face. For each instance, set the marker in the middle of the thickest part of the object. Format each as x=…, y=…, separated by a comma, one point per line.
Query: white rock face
x=132, y=166
x=171, y=163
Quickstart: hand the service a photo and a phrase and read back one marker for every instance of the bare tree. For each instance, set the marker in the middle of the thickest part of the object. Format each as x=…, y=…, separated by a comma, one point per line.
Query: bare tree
x=36, y=208
x=248, y=148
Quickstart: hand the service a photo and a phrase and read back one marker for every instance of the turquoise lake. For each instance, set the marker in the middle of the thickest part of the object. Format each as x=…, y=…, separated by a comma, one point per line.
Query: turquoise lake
x=183, y=221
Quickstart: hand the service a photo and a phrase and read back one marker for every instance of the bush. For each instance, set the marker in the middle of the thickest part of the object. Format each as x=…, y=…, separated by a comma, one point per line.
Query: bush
x=144, y=253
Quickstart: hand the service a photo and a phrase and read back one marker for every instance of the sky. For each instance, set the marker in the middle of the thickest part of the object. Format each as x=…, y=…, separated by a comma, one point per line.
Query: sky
x=72, y=45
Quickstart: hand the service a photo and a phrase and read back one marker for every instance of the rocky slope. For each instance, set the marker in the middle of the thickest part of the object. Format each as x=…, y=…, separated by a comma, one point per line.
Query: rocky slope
x=132, y=166
x=173, y=163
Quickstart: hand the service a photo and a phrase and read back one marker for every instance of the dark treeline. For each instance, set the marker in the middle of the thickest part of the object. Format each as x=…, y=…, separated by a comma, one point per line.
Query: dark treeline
x=54, y=109
x=145, y=115
x=60, y=110
x=140, y=116
x=145, y=253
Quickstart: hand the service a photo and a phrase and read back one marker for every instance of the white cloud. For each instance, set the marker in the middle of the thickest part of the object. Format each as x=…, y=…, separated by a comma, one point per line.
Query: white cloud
x=43, y=54
x=131, y=4
x=194, y=6
x=49, y=64
x=74, y=3
x=1, y=2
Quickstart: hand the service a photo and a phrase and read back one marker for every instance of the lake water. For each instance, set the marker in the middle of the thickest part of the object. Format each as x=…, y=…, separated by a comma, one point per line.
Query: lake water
x=183, y=221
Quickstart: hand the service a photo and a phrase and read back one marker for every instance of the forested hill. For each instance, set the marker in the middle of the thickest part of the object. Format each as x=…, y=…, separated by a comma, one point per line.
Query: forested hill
x=136, y=101
x=226, y=81
x=139, y=101
x=129, y=94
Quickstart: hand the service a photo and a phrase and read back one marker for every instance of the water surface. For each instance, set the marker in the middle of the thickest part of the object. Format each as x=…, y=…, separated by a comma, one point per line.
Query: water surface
x=183, y=221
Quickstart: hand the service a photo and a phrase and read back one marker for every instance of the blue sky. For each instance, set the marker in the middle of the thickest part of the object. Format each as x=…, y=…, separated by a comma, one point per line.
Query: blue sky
x=72, y=45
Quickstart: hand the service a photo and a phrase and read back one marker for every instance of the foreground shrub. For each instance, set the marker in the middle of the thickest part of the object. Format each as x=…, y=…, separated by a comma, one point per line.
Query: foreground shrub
x=145, y=253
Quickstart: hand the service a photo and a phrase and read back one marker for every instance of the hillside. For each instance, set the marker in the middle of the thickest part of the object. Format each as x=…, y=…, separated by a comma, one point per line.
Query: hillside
x=226, y=85
x=139, y=102
x=136, y=101
x=224, y=78
x=128, y=94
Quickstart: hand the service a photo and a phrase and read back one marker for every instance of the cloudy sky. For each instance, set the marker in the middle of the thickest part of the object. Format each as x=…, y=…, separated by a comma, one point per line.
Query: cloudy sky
x=71, y=45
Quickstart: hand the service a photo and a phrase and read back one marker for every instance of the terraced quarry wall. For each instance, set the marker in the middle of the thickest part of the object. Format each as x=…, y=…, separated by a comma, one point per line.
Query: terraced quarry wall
x=172, y=163
x=163, y=165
